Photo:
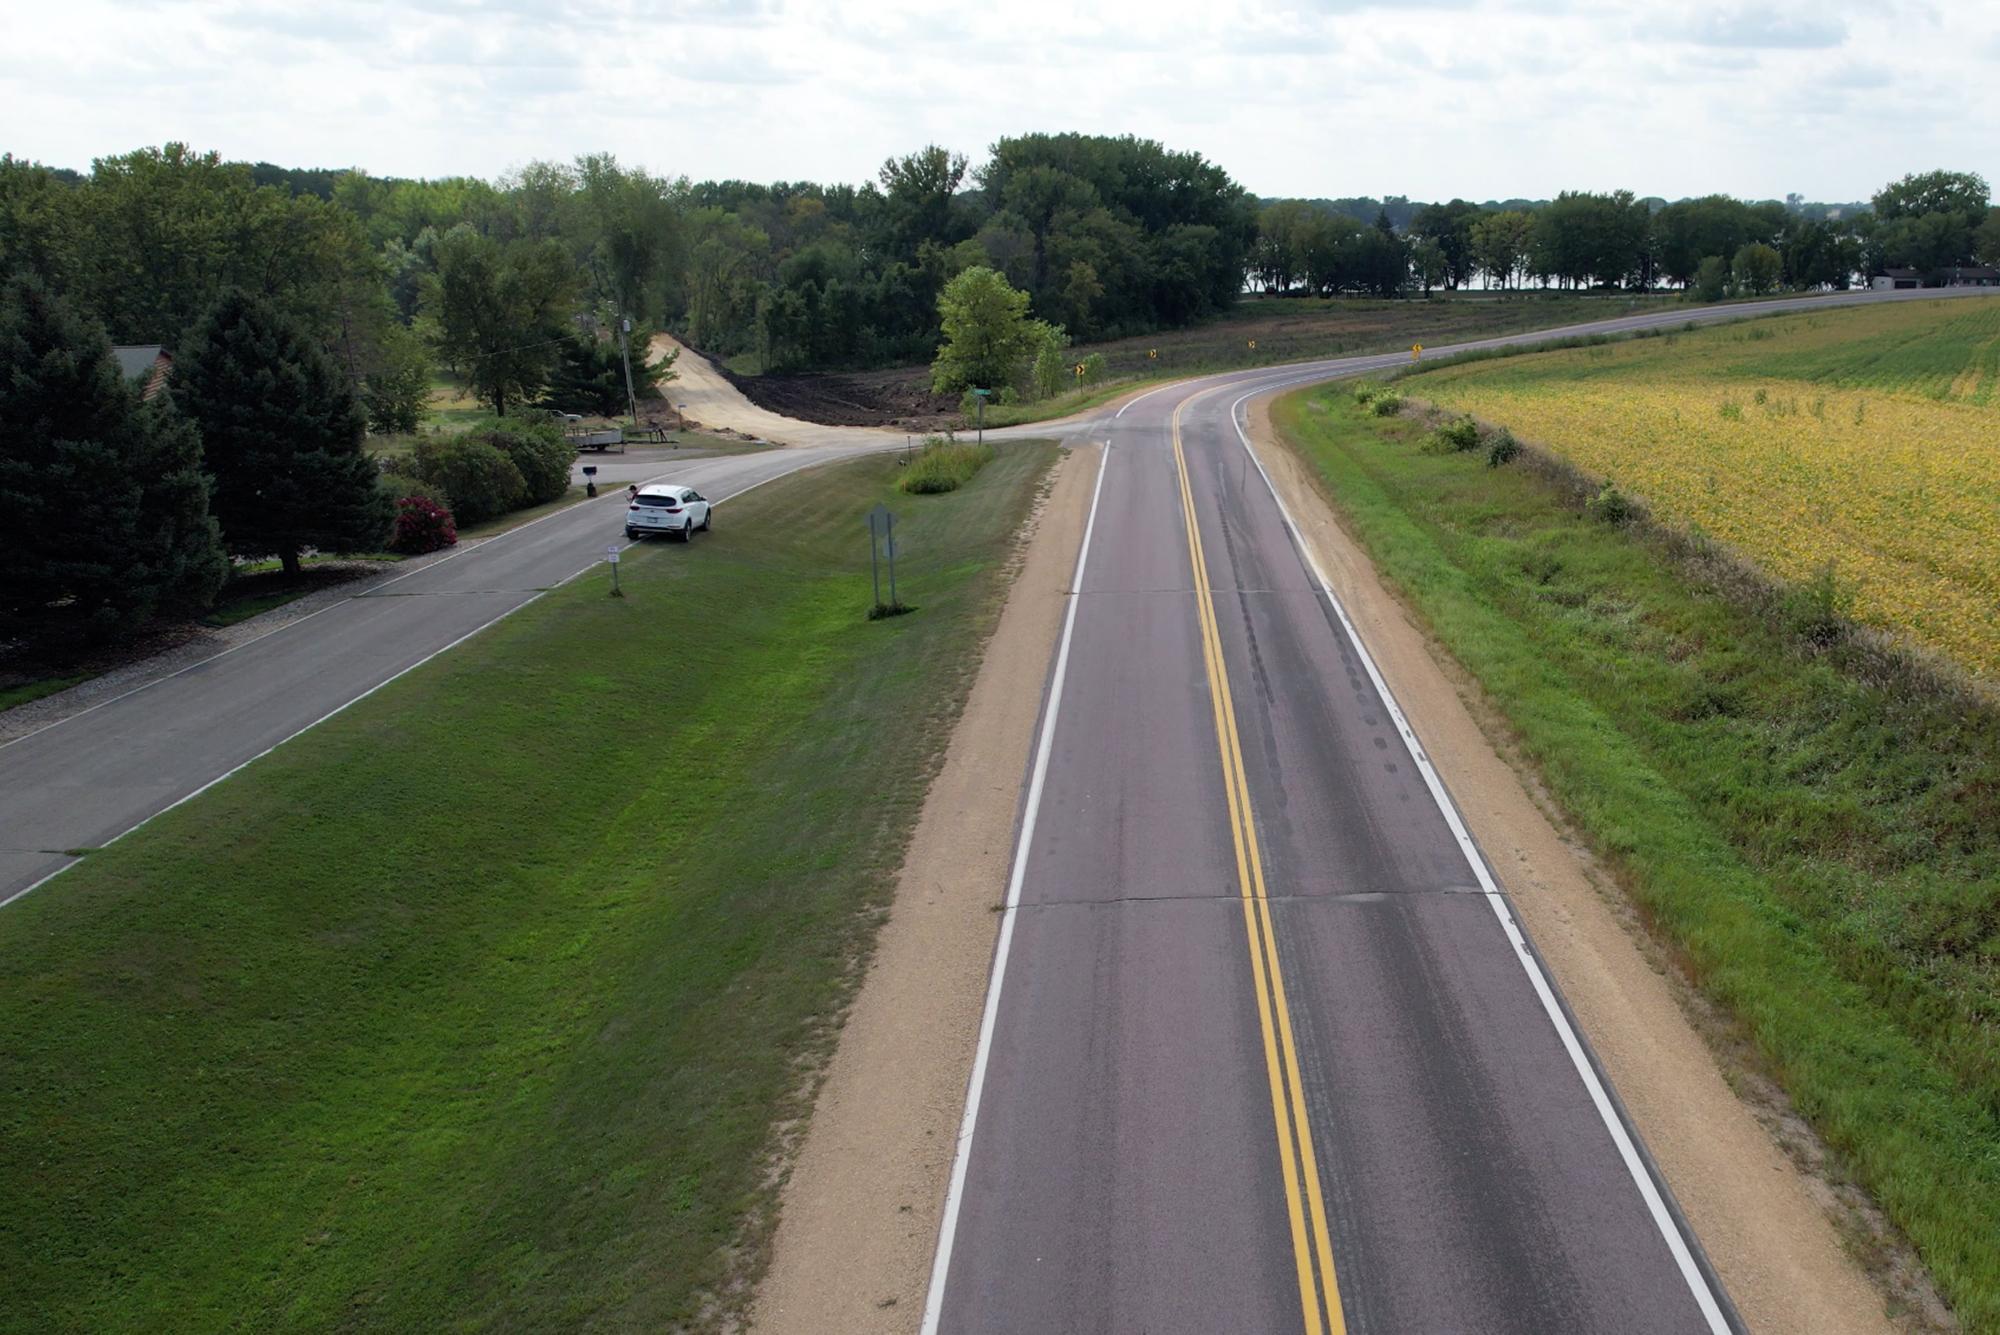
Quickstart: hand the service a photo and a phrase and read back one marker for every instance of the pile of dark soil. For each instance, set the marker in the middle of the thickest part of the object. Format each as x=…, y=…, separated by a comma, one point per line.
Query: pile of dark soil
x=898, y=399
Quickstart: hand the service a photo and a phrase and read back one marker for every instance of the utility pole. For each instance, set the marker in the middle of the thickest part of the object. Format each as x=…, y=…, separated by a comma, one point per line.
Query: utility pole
x=625, y=350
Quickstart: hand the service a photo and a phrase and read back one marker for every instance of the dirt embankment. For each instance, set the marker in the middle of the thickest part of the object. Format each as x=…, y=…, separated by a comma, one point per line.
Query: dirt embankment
x=898, y=400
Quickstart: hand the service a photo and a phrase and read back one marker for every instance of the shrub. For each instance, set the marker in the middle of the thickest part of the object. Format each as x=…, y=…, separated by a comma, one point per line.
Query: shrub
x=481, y=481
x=1613, y=506
x=540, y=452
x=1365, y=392
x=1504, y=449
x=1051, y=361
x=422, y=525
x=401, y=485
x=1457, y=436
x=1388, y=405
x=1817, y=610
x=944, y=465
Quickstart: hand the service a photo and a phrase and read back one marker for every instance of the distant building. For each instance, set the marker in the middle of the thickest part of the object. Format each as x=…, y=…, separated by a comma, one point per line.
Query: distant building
x=148, y=363
x=1966, y=275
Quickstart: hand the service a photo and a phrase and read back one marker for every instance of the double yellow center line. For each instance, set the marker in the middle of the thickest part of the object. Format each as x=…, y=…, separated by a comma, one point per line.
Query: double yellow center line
x=1312, y=1246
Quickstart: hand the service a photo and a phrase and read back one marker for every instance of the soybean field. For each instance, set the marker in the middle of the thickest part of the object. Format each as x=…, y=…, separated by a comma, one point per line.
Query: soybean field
x=1862, y=443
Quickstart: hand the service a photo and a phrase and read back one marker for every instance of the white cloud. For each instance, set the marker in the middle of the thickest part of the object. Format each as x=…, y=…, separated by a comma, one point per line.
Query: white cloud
x=1762, y=28
x=1479, y=98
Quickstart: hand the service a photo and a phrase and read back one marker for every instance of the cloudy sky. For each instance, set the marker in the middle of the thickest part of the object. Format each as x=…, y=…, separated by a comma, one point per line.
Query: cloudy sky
x=1429, y=98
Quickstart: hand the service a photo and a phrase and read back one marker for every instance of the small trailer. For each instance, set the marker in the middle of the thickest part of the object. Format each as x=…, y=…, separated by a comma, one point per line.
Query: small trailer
x=605, y=439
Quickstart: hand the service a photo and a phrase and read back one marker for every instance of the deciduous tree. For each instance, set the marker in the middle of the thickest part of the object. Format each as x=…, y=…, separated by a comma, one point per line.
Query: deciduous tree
x=1756, y=269
x=501, y=312
x=987, y=333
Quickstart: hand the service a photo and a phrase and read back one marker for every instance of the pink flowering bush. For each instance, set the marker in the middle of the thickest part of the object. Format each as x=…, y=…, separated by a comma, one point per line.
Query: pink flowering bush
x=422, y=525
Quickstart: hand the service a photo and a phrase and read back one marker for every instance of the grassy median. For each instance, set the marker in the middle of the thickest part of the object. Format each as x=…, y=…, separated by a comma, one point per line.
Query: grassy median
x=1813, y=828
x=477, y=1005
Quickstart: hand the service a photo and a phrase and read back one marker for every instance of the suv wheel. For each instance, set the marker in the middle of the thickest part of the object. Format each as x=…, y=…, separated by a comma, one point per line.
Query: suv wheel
x=631, y=535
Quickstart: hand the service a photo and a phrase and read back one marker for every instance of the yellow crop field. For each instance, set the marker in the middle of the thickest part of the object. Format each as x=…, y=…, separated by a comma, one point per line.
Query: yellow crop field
x=1864, y=440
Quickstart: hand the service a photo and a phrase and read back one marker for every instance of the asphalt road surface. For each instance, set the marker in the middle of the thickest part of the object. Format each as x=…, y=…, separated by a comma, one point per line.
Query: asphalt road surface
x=1265, y=1049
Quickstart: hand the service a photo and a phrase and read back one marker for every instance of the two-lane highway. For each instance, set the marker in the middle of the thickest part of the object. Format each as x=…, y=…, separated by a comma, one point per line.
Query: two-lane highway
x=1268, y=1052
x=1265, y=1048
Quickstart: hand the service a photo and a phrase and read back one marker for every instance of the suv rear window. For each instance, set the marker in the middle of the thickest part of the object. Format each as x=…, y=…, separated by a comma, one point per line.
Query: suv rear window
x=669, y=502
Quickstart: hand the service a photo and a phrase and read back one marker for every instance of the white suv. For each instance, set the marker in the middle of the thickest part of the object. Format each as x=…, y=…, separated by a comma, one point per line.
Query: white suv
x=666, y=509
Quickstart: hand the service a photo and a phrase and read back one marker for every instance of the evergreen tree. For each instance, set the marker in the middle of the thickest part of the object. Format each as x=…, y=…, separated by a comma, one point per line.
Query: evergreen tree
x=281, y=433
x=589, y=374
x=103, y=506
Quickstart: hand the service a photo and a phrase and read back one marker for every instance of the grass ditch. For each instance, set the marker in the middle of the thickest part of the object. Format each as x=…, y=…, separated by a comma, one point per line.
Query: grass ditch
x=1805, y=812
x=484, y=1004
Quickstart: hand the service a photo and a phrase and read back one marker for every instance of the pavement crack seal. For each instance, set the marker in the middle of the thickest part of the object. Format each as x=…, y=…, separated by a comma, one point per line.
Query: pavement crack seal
x=1312, y=1246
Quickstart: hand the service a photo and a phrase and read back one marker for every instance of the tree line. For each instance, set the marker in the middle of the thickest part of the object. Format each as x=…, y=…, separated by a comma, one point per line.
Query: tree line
x=1929, y=223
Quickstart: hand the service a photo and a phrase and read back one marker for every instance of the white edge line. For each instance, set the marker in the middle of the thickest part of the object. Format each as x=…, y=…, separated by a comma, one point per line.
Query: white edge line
x=1663, y=1219
x=33, y=886
x=1147, y=395
x=962, y=1155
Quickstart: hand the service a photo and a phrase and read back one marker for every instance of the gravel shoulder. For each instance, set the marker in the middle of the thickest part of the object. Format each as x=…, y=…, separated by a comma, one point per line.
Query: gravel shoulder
x=859, y=1212
x=1773, y=1230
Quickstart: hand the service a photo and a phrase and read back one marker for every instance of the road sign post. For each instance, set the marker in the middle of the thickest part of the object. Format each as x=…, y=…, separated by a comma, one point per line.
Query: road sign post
x=882, y=542
x=982, y=395
x=611, y=555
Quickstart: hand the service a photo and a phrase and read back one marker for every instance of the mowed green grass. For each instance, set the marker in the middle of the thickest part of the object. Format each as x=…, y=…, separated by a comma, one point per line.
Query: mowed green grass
x=475, y=1006
x=1819, y=841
